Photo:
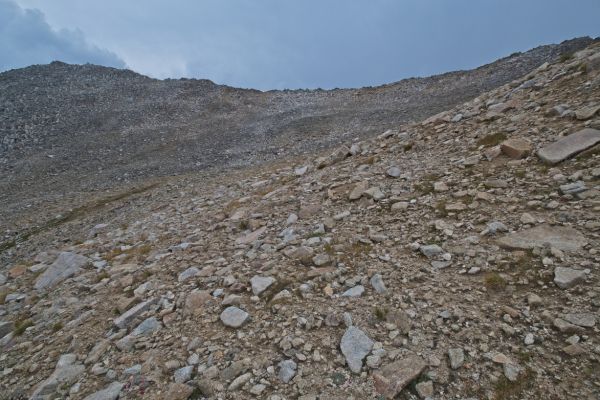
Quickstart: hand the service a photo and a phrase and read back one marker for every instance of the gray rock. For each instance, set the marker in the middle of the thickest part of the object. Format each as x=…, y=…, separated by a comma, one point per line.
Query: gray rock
x=457, y=357
x=125, y=319
x=2, y=279
x=133, y=370
x=559, y=237
x=6, y=327
x=234, y=317
x=566, y=278
x=261, y=283
x=356, y=291
x=146, y=327
x=495, y=227
x=239, y=381
x=355, y=346
x=394, y=172
x=111, y=392
x=375, y=193
x=377, y=283
x=566, y=327
x=573, y=188
x=188, y=274
x=430, y=250
x=569, y=146
x=66, y=373
x=287, y=370
x=585, y=320
x=66, y=265
x=183, y=374
x=511, y=371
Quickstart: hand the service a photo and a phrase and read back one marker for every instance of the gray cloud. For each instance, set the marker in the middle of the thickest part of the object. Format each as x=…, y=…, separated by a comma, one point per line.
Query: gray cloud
x=26, y=38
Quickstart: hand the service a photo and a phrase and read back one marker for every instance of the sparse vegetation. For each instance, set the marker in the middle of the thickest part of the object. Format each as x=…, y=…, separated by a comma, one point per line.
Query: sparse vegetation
x=505, y=389
x=493, y=281
x=491, y=140
x=565, y=57
x=21, y=325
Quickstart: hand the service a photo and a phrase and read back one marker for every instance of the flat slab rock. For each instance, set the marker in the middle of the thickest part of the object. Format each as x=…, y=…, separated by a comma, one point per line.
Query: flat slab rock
x=66, y=265
x=569, y=146
x=560, y=237
x=391, y=379
x=355, y=346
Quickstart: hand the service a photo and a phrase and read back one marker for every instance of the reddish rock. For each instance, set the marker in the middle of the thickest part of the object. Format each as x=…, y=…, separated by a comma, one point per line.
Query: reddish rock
x=516, y=148
x=391, y=379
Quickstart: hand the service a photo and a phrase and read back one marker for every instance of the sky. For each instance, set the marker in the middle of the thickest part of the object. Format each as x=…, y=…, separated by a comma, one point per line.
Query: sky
x=278, y=44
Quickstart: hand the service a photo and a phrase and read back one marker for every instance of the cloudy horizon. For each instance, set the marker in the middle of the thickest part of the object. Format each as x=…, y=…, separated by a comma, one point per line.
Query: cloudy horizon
x=282, y=44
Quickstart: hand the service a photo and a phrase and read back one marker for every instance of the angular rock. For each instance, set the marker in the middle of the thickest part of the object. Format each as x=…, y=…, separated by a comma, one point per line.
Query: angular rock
x=430, y=250
x=197, y=301
x=356, y=291
x=111, y=392
x=573, y=188
x=393, y=172
x=566, y=278
x=569, y=146
x=123, y=320
x=287, y=370
x=179, y=391
x=234, y=317
x=516, y=148
x=358, y=190
x=586, y=112
x=183, y=374
x=252, y=236
x=391, y=379
x=355, y=346
x=66, y=373
x=560, y=237
x=456, y=357
x=66, y=265
x=188, y=274
x=261, y=283
x=377, y=283
x=586, y=320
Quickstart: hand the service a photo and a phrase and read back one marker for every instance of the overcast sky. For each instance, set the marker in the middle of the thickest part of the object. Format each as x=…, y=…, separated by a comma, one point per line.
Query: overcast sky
x=276, y=44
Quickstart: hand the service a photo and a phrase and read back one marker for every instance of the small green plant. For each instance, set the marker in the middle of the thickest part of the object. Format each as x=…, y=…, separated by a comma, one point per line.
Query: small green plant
x=564, y=57
x=493, y=281
x=440, y=207
x=101, y=276
x=338, y=378
x=408, y=146
x=520, y=173
x=21, y=325
x=381, y=313
x=505, y=389
x=492, y=140
x=57, y=326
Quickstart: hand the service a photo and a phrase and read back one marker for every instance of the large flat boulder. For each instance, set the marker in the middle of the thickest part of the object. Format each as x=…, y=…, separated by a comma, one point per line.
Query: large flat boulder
x=391, y=379
x=66, y=265
x=560, y=237
x=569, y=146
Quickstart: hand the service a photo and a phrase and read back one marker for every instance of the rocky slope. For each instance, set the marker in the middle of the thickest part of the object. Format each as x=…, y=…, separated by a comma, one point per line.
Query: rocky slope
x=67, y=130
x=455, y=258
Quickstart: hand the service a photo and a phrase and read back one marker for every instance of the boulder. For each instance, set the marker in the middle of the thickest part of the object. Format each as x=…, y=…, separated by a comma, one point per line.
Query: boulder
x=569, y=146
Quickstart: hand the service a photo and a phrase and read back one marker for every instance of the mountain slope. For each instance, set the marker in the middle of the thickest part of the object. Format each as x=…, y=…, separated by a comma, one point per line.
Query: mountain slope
x=454, y=258
x=66, y=130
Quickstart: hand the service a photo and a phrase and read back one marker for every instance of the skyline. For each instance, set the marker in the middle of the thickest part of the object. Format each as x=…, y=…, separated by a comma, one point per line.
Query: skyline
x=285, y=45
